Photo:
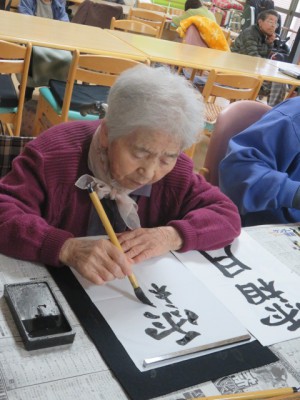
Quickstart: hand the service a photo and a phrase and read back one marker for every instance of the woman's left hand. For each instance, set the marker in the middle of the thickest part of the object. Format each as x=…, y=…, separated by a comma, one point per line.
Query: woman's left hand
x=144, y=243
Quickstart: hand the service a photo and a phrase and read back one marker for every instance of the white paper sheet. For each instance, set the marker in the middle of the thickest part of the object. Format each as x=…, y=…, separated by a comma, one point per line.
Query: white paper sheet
x=261, y=292
x=142, y=336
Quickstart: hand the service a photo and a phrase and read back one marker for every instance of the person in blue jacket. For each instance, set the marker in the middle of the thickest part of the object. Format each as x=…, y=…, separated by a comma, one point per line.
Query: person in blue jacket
x=54, y=9
x=261, y=171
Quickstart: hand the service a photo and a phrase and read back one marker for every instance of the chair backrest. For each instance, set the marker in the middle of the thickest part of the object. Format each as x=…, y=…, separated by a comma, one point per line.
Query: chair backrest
x=93, y=69
x=15, y=59
x=129, y=25
x=151, y=6
x=9, y=5
x=231, y=121
x=231, y=86
x=192, y=36
x=97, y=14
x=175, y=11
x=219, y=17
x=227, y=35
x=155, y=19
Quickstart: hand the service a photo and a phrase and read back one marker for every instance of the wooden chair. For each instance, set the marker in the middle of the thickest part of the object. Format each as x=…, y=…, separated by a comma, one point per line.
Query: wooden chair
x=129, y=25
x=151, y=7
x=15, y=59
x=175, y=11
x=156, y=20
x=219, y=17
x=11, y=5
x=90, y=69
x=231, y=121
x=227, y=34
x=232, y=87
x=292, y=89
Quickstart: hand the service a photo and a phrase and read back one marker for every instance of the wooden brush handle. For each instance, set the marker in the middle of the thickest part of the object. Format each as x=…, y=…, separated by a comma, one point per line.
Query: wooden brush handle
x=109, y=230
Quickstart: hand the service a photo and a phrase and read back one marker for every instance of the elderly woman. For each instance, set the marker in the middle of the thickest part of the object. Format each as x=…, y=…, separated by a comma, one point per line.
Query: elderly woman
x=133, y=157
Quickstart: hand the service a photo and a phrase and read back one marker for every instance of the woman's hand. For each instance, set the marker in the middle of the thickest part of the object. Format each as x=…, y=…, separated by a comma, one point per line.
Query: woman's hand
x=98, y=261
x=144, y=243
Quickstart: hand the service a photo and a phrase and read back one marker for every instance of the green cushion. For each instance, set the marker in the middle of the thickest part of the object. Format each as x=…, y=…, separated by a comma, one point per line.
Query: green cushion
x=74, y=115
x=4, y=110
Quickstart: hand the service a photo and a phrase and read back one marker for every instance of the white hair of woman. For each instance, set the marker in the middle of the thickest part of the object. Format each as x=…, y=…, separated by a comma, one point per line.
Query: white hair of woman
x=155, y=99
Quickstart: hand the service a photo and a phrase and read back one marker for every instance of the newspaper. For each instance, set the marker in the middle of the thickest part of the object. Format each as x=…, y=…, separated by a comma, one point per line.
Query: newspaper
x=77, y=371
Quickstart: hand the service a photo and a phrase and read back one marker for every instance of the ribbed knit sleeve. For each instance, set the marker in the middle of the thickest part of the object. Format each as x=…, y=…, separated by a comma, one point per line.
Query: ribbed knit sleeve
x=40, y=208
x=205, y=218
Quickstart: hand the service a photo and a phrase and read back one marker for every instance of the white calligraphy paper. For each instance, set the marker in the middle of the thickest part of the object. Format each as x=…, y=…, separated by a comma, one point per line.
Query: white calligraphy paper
x=186, y=315
x=261, y=291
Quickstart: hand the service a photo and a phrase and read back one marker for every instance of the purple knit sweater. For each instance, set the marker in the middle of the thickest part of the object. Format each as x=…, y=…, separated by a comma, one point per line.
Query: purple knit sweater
x=40, y=207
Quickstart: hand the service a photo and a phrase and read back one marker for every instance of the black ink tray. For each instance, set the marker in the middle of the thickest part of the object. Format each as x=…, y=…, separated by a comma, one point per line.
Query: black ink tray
x=38, y=315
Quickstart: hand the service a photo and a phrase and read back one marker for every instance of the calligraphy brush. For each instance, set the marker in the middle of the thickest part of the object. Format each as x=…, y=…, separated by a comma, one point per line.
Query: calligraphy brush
x=113, y=238
x=281, y=393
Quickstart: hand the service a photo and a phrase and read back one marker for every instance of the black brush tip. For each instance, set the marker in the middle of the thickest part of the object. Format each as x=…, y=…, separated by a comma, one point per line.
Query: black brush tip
x=141, y=296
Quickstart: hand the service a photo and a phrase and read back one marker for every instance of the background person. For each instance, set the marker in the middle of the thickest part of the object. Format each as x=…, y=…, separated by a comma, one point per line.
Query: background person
x=134, y=158
x=192, y=8
x=54, y=9
x=258, y=40
x=261, y=171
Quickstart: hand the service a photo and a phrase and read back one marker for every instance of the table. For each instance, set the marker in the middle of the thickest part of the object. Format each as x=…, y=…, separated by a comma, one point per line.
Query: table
x=46, y=32
x=185, y=55
x=79, y=372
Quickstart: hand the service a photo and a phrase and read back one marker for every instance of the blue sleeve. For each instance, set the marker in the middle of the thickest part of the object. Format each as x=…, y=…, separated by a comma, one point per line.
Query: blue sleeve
x=59, y=11
x=27, y=7
x=261, y=170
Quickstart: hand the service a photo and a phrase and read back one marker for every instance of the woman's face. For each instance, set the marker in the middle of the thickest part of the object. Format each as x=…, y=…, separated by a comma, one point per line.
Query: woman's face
x=142, y=158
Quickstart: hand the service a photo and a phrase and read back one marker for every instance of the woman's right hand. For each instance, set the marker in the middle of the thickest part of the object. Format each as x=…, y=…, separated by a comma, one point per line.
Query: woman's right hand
x=98, y=261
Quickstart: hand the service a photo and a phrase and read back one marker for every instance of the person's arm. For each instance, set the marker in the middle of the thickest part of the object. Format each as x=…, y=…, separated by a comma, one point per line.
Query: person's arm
x=251, y=43
x=178, y=18
x=27, y=7
x=208, y=219
x=255, y=174
x=25, y=233
x=251, y=47
x=32, y=220
x=196, y=215
x=59, y=11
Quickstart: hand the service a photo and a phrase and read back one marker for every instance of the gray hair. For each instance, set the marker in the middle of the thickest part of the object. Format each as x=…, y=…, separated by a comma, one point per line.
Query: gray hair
x=263, y=15
x=155, y=99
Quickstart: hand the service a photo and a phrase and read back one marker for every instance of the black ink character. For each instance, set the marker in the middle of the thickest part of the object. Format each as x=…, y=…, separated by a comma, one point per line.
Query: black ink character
x=161, y=293
x=259, y=294
x=174, y=327
x=228, y=264
x=282, y=317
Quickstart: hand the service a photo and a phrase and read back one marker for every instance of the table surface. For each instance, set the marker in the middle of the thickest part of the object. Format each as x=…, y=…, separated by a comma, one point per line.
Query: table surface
x=79, y=372
x=63, y=35
x=185, y=55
